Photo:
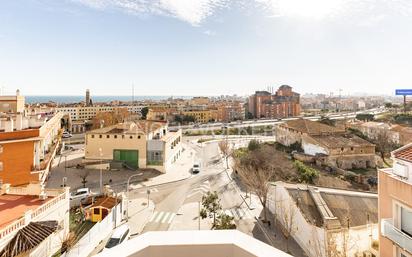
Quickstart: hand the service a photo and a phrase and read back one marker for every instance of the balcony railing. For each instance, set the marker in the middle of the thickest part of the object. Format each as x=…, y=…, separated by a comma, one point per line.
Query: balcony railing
x=396, y=235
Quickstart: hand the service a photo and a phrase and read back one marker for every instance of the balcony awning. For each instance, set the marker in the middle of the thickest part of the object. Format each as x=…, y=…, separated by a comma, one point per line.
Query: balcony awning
x=29, y=237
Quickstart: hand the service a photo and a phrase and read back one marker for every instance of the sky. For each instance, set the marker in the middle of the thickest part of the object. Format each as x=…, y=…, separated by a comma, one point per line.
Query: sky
x=204, y=47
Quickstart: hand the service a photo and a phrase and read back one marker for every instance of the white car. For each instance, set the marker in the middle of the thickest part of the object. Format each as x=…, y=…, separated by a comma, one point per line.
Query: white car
x=66, y=134
x=120, y=234
x=80, y=194
x=196, y=168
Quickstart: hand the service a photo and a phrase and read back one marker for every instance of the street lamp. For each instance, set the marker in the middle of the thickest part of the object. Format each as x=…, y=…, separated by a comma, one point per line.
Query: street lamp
x=101, y=171
x=127, y=191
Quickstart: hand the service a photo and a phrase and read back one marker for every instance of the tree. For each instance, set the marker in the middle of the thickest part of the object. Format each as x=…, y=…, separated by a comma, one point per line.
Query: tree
x=226, y=150
x=225, y=222
x=388, y=105
x=365, y=117
x=188, y=118
x=211, y=206
x=307, y=174
x=144, y=112
x=384, y=143
x=83, y=174
x=327, y=121
x=253, y=145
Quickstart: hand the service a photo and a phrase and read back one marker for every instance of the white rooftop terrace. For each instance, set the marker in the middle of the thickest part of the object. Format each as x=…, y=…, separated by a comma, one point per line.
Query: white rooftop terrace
x=203, y=243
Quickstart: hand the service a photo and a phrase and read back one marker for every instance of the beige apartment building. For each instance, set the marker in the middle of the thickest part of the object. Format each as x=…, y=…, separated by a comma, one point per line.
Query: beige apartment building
x=395, y=205
x=141, y=144
x=12, y=103
x=89, y=112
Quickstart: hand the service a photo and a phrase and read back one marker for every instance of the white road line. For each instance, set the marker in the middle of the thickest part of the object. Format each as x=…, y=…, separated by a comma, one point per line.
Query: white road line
x=159, y=217
x=171, y=218
x=153, y=216
x=234, y=214
x=165, y=217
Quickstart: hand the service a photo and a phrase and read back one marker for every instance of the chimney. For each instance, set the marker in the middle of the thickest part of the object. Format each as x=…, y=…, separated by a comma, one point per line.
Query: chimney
x=19, y=121
x=8, y=125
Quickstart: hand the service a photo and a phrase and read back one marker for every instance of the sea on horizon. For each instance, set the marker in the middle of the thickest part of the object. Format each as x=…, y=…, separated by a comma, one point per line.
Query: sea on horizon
x=96, y=99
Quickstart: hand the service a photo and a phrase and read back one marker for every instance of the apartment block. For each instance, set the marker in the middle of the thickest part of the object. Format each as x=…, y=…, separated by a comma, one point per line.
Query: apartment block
x=202, y=116
x=89, y=112
x=12, y=103
x=395, y=205
x=28, y=145
x=140, y=144
x=284, y=103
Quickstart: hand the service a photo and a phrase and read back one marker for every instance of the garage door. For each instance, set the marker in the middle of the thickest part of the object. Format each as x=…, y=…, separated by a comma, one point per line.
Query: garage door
x=130, y=157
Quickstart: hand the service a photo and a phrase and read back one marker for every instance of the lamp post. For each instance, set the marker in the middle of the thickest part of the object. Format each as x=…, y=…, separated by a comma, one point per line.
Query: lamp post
x=127, y=191
x=101, y=171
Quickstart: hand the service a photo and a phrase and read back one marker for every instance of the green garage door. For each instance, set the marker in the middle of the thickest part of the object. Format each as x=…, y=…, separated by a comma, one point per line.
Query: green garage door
x=130, y=157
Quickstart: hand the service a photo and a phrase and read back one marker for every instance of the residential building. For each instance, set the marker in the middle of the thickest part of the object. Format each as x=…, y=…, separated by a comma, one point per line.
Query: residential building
x=229, y=110
x=88, y=100
x=28, y=145
x=12, y=103
x=139, y=144
x=199, y=243
x=162, y=113
x=395, y=205
x=327, y=222
x=398, y=134
x=89, y=112
x=284, y=103
x=330, y=145
x=202, y=116
x=34, y=221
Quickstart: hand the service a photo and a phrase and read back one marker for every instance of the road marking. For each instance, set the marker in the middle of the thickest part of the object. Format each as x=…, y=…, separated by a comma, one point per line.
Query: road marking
x=159, y=217
x=153, y=216
x=238, y=213
x=171, y=218
x=165, y=217
x=203, y=188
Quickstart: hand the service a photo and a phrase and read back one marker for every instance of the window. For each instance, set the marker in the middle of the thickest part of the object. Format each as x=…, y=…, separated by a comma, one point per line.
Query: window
x=96, y=211
x=100, y=136
x=123, y=136
x=107, y=136
x=351, y=148
x=115, y=136
x=138, y=137
x=92, y=136
x=131, y=137
x=341, y=149
x=1, y=166
x=406, y=221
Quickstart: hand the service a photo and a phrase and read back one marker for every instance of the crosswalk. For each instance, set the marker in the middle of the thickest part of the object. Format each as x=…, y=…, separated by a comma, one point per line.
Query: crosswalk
x=239, y=213
x=162, y=217
x=201, y=190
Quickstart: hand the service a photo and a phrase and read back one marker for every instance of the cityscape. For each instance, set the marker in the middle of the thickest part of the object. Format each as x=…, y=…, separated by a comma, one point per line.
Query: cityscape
x=294, y=160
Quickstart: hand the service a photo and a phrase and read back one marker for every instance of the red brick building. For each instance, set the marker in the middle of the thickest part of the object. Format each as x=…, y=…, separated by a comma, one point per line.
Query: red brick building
x=284, y=103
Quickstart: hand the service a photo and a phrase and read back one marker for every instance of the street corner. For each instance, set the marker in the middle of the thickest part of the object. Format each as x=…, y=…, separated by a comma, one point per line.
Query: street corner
x=139, y=214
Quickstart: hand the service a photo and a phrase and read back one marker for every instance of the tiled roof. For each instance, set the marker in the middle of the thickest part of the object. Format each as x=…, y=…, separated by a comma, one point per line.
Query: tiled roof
x=105, y=202
x=404, y=153
x=333, y=141
x=28, y=238
x=312, y=127
x=141, y=126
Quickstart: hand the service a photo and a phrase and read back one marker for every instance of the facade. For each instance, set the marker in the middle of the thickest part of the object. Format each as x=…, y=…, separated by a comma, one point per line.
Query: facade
x=12, y=103
x=89, y=112
x=398, y=134
x=395, y=205
x=331, y=145
x=28, y=145
x=202, y=116
x=284, y=103
x=202, y=243
x=139, y=144
x=34, y=221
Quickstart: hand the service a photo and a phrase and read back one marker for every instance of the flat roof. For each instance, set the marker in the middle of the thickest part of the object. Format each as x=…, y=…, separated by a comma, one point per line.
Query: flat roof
x=13, y=207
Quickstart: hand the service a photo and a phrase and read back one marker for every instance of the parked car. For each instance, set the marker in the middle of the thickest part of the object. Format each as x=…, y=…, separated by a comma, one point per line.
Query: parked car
x=80, y=194
x=66, y=134
x=196, y=168
x=120, y=234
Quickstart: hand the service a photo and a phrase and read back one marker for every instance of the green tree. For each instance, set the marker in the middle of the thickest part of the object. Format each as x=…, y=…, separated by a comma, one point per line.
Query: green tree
x=307, y=174
x=327, y=121
x=253, y=145
x=225, y=222
x=365, y=117
x=144, y=111
x=210, y=207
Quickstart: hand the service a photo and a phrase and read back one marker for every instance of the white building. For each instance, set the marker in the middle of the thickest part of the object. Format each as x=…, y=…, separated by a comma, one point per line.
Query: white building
x=89, y=112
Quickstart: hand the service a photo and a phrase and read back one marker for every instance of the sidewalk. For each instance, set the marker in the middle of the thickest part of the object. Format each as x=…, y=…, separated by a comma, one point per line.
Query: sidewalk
x=188, y=218
x=180, y=170
x=139, y=214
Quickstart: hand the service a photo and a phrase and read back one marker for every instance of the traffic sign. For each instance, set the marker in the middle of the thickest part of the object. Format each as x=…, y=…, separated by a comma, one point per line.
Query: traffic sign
x=403, y=91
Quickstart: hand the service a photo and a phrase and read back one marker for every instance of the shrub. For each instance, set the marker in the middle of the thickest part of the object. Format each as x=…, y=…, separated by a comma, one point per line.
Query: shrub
x=306, y=173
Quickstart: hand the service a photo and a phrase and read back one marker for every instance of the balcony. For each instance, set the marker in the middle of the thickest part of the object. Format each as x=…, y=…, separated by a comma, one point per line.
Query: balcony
x=396, y=235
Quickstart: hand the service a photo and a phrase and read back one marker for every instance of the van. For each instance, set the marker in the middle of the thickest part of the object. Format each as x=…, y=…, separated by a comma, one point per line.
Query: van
x=120, y=234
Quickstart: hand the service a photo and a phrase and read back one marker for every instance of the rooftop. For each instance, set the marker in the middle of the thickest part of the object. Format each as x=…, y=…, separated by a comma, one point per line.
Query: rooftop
x=334, y=141
x=311, y=127
x=13, y=207
x=404, y=153
x=203, y=243
x=136, y=127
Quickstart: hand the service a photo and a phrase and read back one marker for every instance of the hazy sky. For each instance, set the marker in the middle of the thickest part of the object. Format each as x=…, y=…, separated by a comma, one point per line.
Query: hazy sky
x=204, y=47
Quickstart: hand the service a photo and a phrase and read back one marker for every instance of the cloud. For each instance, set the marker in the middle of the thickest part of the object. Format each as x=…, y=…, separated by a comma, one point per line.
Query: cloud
x=209, y=33
x=191, y=11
